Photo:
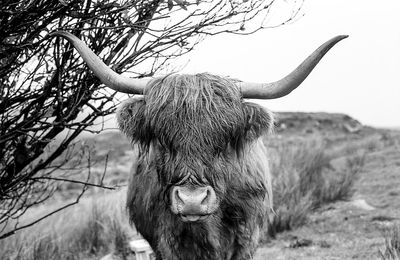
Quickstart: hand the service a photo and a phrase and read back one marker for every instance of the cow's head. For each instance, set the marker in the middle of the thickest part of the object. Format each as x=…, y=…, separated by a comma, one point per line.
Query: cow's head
x=196, y=127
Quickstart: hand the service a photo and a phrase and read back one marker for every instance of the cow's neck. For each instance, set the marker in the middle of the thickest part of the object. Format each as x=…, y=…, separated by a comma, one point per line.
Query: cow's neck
x=183, y=241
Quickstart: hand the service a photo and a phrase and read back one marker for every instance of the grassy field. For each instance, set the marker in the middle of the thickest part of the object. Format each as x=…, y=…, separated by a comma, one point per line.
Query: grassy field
x=336, y=194
x=365, y=224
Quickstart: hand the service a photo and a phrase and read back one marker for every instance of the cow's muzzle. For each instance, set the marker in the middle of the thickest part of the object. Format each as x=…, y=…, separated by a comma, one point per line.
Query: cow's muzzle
x=193, y=203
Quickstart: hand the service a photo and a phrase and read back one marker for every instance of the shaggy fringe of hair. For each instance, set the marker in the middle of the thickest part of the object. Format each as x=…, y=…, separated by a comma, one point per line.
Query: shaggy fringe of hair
x=200, y=114
x=194, y=113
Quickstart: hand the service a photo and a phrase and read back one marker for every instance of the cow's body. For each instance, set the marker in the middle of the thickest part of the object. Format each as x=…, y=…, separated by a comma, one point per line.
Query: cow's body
x=227, y=235
x=238, y=173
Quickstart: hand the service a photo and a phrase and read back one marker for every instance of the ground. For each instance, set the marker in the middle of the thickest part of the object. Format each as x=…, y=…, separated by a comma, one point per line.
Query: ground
x=350, y=229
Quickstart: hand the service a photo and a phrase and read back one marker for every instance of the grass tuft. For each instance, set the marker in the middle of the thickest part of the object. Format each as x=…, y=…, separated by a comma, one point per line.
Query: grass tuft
x=392, y=244
x=304, y=180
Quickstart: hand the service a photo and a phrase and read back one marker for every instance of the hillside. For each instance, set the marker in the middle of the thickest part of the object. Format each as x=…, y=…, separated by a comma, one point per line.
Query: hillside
x=352, y=229
x=349, y=227
x=301, y=122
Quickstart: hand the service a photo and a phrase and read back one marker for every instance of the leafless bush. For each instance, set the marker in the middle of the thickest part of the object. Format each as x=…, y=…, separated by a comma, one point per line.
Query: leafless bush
x=48, y=94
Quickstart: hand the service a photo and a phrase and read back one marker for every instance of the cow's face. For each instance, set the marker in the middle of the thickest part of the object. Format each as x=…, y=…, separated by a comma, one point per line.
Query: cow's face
x=197, y=127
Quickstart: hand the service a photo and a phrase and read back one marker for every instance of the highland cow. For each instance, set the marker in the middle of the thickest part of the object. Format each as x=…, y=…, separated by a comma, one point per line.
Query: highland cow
x=200, y=186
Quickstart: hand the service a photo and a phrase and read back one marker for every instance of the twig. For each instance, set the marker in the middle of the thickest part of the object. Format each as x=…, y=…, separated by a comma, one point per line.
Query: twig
x=74, y=181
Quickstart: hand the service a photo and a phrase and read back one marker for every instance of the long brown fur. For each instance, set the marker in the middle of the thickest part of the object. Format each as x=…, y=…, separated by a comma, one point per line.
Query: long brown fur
x=197, y=130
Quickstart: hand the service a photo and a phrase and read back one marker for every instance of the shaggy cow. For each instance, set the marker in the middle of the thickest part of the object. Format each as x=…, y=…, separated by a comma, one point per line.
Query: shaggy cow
x=200, y=186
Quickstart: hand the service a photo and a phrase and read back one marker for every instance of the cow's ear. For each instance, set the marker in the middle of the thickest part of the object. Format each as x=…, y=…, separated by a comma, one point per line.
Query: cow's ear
x=259, y=121
x=131, y=120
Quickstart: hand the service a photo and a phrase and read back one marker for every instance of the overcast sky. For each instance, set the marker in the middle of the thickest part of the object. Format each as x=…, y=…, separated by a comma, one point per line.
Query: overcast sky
x=360, y=76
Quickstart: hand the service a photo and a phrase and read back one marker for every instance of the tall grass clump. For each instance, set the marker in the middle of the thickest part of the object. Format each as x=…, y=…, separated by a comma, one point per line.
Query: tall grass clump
x=91, y=229
x=392, y=244
x=304, y=179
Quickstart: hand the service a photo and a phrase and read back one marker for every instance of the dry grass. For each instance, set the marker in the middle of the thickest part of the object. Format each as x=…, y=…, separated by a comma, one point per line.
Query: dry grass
x=392, y=244
x=93, y=228
x=304, y=180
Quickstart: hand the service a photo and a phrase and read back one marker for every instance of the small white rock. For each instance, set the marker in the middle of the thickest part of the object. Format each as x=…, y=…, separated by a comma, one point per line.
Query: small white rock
x=362, y=204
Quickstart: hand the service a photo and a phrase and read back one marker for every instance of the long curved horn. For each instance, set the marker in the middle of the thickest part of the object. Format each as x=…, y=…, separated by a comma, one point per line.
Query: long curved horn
x=286, y=85
x=107, y=76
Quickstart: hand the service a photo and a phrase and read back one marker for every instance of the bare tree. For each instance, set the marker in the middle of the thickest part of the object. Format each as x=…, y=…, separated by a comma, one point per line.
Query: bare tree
x=46, y=89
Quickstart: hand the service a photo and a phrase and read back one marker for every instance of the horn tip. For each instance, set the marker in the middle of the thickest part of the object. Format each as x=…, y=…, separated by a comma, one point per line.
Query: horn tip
x=337, y=39
x=343, y=36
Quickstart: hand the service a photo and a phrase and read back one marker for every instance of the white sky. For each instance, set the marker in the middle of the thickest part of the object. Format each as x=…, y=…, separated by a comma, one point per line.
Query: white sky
x=359, y=76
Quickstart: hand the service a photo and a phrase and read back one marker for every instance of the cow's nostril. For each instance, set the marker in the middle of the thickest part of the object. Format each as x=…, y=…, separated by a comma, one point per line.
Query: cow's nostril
x=207, y=194
x=178, y=198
